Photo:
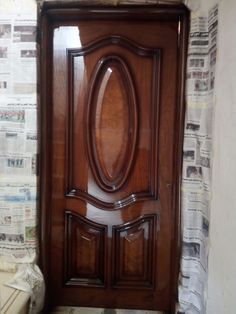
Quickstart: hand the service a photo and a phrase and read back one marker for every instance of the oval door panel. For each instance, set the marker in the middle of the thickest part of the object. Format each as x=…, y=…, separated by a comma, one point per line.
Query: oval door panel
x=111, y=123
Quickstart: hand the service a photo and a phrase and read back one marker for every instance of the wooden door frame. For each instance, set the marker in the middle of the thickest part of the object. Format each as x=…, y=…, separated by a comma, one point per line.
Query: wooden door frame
x=53, y=11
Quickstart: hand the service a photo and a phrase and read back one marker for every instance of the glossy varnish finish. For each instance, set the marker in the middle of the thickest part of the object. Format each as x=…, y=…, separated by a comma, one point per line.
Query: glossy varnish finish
x=112, y=117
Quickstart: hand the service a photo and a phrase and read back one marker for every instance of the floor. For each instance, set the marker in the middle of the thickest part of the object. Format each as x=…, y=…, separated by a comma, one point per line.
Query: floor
x=87, y=310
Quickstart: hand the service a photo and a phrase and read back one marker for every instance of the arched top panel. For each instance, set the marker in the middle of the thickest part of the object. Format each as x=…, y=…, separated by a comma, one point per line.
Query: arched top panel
x=116, y=133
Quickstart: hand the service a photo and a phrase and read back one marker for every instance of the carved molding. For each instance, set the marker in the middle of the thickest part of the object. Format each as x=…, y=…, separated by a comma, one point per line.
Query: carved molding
x=113, y=40
x=132, y=198
x=128, y=159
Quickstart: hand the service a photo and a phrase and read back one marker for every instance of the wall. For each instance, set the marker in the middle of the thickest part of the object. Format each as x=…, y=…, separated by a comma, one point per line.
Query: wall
x=222, y=259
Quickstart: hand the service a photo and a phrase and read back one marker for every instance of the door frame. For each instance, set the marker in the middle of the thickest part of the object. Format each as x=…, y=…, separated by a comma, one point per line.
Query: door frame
x=53, y=11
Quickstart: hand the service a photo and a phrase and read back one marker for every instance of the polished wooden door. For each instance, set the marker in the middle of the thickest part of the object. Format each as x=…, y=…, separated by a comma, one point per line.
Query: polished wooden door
x=112, y=116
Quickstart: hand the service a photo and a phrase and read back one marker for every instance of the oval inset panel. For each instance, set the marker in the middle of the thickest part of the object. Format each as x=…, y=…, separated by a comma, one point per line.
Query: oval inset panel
x=112, y=123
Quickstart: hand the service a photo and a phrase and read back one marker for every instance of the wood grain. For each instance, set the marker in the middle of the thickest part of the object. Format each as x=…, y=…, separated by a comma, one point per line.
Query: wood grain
x=110, y=216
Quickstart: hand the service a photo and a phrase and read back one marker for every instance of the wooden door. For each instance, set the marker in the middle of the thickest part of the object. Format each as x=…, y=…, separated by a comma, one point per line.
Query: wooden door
x=112, y=116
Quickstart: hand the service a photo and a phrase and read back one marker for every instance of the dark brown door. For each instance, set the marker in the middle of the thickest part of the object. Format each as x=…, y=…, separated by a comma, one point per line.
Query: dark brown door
x=111, y=145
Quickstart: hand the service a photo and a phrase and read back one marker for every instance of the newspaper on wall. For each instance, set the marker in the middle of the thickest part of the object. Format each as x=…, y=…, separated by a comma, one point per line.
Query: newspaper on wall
x=18, y=161
x=197, y=153
x=18, y=148
x=17, y=56
x=18, y=133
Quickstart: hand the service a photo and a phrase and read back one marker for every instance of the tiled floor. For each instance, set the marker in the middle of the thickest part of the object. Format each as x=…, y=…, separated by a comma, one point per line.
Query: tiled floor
x=87, y=310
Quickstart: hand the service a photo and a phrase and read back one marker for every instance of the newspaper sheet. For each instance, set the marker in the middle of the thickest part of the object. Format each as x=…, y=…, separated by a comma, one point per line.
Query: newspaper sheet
x=18, y=148
x=18, y=135
x=196, y=176
x=17, y=56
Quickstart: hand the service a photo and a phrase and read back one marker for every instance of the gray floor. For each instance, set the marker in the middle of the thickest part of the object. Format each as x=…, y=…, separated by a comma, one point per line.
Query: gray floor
x=87, y=310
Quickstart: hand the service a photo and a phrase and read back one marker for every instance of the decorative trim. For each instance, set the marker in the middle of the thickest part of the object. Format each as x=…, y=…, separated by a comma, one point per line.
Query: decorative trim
x=132, y=198
x=113, y=40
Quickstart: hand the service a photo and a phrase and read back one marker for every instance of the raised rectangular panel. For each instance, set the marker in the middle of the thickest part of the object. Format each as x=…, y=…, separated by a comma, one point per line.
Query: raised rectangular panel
x=134, y=253
x=85, y=251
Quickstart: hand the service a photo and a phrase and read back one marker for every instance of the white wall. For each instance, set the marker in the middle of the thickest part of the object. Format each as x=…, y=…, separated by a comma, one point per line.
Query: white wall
x=222, y=260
